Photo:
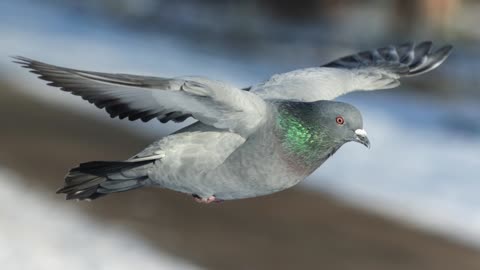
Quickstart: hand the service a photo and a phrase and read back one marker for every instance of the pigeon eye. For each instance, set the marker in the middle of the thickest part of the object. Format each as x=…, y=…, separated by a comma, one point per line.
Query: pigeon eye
x=340, y=120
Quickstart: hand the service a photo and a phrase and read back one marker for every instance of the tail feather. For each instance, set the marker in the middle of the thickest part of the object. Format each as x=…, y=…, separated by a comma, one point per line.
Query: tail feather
x=94, y=179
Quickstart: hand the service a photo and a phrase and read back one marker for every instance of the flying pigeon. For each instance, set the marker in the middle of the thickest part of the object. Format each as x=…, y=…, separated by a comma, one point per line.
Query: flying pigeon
x=247, y=142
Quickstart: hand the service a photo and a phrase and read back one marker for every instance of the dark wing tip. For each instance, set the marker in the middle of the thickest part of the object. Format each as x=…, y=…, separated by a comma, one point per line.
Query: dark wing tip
x=407, y=59
x=445, y=50
x=20, y=58
x=23, y=61
x=425, y=60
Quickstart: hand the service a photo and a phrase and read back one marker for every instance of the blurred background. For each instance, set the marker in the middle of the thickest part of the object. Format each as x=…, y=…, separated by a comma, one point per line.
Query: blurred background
x=411, y=202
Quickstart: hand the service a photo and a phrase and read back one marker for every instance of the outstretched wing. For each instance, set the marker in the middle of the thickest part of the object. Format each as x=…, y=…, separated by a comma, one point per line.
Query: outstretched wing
x=368, y=70
x=138, y=97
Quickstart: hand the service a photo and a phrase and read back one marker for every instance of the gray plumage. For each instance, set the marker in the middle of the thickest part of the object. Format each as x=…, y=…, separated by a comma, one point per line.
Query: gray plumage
x=246, y=143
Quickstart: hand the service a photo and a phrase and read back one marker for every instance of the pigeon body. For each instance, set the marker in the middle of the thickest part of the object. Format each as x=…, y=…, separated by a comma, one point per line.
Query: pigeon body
x=247, y=143
x=295, y=139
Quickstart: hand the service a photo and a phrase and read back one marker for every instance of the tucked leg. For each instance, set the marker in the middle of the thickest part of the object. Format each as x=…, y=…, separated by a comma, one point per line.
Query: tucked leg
x=204, y=200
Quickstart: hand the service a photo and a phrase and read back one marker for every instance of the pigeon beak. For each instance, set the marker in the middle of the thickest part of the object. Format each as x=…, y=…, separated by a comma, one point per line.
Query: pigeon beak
x=361, y=137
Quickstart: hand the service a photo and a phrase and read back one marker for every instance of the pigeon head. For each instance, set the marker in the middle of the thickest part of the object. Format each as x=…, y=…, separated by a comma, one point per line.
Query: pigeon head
x=343, y=122
x=313, y=131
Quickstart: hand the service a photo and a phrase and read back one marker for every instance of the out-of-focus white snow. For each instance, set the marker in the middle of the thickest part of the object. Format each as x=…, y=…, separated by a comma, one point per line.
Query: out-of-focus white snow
x=36, y=233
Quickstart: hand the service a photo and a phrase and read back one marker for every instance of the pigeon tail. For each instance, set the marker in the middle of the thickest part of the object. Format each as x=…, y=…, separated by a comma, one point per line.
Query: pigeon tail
x=95, y=179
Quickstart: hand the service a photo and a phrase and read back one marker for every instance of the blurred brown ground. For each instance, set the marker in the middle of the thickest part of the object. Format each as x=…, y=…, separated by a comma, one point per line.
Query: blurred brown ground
x=295, y=229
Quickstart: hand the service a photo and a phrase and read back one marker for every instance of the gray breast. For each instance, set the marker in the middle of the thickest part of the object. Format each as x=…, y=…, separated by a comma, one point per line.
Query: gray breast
x=258, y=167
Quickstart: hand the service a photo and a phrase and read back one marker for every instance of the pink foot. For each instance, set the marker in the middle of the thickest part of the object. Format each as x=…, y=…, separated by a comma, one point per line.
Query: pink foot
x=204, y=200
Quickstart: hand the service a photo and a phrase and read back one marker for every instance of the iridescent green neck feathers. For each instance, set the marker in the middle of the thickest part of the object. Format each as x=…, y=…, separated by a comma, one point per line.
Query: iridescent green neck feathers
x=300, y=139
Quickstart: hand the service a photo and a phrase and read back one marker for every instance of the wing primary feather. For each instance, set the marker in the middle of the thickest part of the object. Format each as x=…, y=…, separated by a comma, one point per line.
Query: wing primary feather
x=408, y=59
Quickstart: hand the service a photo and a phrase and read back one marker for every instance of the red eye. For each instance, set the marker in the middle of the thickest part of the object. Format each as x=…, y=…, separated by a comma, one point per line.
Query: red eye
x=340, y=120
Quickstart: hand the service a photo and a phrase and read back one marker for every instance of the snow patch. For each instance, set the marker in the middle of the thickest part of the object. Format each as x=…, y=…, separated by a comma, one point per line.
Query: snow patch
x=36, y=233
